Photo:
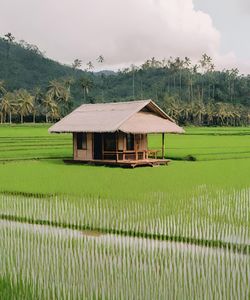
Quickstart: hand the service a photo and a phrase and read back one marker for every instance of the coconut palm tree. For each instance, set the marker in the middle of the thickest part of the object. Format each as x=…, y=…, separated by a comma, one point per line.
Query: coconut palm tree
x=86, y=85
x=8, y=106
x=90, y=66
x=5, y=106
x=173, y=107
x=25, y=103
x=37, y=104
x=9, y=38
x=209, y=115
x=59, y=92
x=100, y=59
x=2, y=88
x=199, y=111
x=76, y=64
x=54, y=89
x=50, y=107
x=54, y=111
x=179, y=66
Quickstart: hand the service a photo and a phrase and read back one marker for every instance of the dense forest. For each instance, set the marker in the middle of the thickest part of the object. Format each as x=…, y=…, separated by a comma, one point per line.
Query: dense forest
x=35, y=88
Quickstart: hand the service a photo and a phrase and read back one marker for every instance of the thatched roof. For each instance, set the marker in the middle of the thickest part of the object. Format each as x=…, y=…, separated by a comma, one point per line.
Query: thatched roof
x=142, y=116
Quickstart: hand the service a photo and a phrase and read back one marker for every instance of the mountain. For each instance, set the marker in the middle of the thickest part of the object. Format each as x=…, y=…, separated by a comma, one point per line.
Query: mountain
x=24, y=66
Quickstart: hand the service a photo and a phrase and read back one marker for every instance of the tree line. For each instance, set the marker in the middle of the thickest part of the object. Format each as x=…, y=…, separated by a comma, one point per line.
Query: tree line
x=46, y=105
x=207, y=114
x=190, y=93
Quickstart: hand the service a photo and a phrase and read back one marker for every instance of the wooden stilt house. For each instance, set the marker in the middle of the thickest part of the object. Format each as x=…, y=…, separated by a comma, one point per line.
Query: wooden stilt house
x=117, y=133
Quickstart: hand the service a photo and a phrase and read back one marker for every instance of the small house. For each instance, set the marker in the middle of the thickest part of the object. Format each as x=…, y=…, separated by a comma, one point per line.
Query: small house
x=117, y=133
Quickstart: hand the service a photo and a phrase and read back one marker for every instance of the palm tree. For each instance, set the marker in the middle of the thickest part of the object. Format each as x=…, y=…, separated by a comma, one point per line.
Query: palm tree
x=8, y=106
x=5, y=107
x=209, y=113
x=25, y=103
x=231, y=77
x=50, y=107
x=186, y=113
x=54, y=89
x=67, y=82
x=2, y=92
x=90, y=66
x=179, y=65
x=59, y=91
x=220, y=112
x=76, y=64
x=54, y=111
x=205, y=63
x=133, y=70
x=37, y=104
x=9, y=38
x=100, y=59
x=2, y=88
x=199, y=111
x=86, y=85
x=173, y=108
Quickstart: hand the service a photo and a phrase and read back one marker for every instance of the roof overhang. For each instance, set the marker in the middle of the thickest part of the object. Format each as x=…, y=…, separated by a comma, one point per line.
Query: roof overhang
x=128, y=117
x=143, y=122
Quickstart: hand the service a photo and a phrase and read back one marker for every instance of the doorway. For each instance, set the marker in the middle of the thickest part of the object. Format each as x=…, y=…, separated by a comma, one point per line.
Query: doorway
x=97, y=146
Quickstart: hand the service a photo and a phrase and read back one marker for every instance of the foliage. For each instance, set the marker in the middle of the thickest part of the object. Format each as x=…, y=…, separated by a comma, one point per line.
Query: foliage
x=192, y=93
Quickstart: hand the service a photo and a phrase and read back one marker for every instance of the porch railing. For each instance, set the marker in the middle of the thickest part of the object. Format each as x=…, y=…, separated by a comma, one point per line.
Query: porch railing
x=131, y=154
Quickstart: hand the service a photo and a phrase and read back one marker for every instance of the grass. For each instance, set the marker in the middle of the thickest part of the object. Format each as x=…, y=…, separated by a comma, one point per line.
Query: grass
x=22, y=142
x=223, y=147
x=184, y=227
x=54, y=177
x=207, y=144
x=34, y=142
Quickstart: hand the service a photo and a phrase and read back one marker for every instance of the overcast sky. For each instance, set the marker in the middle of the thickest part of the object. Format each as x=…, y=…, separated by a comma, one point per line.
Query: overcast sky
x=130, y=31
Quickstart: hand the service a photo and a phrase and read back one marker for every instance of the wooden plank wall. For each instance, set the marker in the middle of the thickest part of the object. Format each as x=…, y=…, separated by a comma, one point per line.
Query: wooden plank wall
x=83, y=154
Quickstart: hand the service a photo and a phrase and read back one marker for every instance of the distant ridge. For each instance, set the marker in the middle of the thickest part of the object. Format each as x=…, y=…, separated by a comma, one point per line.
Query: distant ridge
x=23, y=68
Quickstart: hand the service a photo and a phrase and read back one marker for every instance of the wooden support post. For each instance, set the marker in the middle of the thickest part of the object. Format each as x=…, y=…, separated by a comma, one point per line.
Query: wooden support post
x=163, y=146
x=116, y=143
x=102, y=146
x=73, y=138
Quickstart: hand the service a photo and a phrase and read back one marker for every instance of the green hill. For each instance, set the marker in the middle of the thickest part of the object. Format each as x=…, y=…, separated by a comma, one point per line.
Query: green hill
x=24, y=66
x=192, y=94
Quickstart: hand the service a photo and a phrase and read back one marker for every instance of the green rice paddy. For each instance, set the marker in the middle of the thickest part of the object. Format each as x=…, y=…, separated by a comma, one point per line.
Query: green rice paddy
x=31, y=161
x=152, y=230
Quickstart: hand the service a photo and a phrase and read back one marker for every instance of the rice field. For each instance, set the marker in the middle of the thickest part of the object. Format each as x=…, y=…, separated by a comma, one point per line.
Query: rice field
x=204, y=218
x=85, y=232
x=49, y=263
x=18, y=142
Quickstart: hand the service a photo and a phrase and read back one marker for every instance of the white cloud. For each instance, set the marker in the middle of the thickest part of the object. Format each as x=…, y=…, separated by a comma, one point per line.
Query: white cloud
x=124, y=31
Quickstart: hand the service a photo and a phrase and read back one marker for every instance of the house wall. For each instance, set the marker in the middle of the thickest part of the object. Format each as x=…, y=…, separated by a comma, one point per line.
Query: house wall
x=121, y=141
x=140, y=145
x=141, y=142
x=83, y=154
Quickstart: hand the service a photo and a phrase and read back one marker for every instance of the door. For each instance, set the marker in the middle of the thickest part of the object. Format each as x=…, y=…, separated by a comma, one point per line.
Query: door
x=97, y=146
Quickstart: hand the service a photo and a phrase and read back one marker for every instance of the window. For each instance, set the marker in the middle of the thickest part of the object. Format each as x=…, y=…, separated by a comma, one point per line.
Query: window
x=130, y=141
x=81, y=139
x=110, y=142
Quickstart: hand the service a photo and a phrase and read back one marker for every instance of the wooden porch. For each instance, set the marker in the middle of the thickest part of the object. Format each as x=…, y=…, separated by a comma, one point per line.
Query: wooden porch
x=118, y=148
x=150, y=162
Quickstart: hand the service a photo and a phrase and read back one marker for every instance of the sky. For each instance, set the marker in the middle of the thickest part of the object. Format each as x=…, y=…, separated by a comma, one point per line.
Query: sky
x=128, y=32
